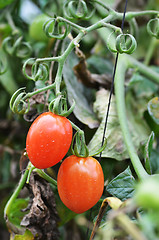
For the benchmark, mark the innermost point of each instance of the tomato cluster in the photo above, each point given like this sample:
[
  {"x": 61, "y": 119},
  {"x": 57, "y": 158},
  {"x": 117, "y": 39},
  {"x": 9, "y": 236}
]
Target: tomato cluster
[{"x": 80, "y": 180}]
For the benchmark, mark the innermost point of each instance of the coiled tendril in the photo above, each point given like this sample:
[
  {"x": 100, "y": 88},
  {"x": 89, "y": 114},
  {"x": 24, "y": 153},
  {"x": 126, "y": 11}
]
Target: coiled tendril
[
  {"x": 78, "y": 9},
  {"x": 39, "y": 71},
  {"x": 14, "y": 45},
  {"x": 59, "y": 106},
  {"x": 126, "y": 43},
  {"x": 55, "y": 28},
  {"x": 153, "y": 27},
  {"x": 17, "y": 103}
]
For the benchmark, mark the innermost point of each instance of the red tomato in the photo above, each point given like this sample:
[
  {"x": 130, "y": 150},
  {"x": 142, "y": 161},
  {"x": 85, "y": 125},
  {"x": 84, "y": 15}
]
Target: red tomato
[
  {"x": 80, "y": 183},
  {"x": 48, "y": 140}
]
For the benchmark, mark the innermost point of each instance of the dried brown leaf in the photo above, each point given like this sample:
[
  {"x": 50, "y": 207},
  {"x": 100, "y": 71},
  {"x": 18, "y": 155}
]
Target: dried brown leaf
[{"x": 42, "y": 218}]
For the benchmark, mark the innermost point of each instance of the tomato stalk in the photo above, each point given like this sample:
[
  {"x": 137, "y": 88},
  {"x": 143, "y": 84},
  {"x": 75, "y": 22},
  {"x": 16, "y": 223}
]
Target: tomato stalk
[
  {"x": 122, "y": 66},
  {"x": 25, "y": 179},
  {"x": 17, "y": 191},
  {"x": 46, "y": 177}
]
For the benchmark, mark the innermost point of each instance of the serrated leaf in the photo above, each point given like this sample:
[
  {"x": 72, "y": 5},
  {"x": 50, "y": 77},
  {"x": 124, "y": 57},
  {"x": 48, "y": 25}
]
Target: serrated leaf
[
  {"x": 153, "y": 109},
  {"x": 147, "y": 153},
  {"x": 122, "y": 186},
  {"x": 79, "y": 93}
]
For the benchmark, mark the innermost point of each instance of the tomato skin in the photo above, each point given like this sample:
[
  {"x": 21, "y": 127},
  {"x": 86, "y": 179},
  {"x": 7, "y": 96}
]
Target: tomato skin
[
  {"x": 80, "y": 183},
  {"x": 36, "y": 28},
  {"x": 48, "y": 140}
]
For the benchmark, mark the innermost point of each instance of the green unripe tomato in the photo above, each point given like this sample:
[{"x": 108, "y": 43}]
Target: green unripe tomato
[
  {"x": 147, "y": 193},
  {"x": 36, "y": 28}
]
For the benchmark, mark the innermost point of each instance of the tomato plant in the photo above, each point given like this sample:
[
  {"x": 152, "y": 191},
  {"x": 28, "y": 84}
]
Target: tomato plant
[
  {"x": 48, "y": 140},
  {"x": 78, "y": 58},
  {"x": 80, "y": 183}
]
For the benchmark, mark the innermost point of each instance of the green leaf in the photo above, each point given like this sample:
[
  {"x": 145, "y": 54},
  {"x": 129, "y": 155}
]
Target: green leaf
[
  {"x": 99, "y": 65},
  {"x": 147, "y": 152},
  {"x": 65, "y": 214},
  {"x": 79, "y": 93},
  {"x": 154, "y": 161},
  {"x": 122, "y": 186},
  {"x": 7, "y": 79},
  {"x": 142, "y": 86},
  {"x": 4, "y": 3},
  {"x": 26, "y": 236},
  {"x": 153, "y": 109},
  {"x": 15, "y": 214}
]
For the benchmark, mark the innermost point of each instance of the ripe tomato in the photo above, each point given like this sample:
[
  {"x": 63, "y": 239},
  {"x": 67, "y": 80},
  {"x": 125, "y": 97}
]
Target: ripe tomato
[
  {"x": 80, "y": 183},
  {"x": 48, "y": 140}
]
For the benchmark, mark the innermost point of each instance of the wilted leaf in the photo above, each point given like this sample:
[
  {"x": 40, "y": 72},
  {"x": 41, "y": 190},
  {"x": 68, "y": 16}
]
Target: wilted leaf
[
  {"x": 153, "y": 109},
  {"x": 79, "y": 93},
  {"x": 115, "y": 146},
  {"x": 42, "y": 218},
  {"x": 122, "y": 186}
]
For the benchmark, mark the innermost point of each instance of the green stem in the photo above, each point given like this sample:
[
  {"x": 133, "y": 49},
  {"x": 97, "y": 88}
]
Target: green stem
[
  {"x": 11, "y": 23},
  {"x": 121, "y": 109},
  {"x": 104, "y": 5},
  {"x": 151, "y": 50},
  {"x": 59, "y": 77},
  {"x": 29, "y": 95},
  {"x": 29, "y": 173},
  {"x": 75, "y": 127},
  {"x": 130, "y": 15},
  {"x": 75, "y": 26},
  {"x": 143, "y": 69},
  {"x": 16, "y": 192},
  {"x": 46, "y": 177},
  {"x": 49, "y": 59}
]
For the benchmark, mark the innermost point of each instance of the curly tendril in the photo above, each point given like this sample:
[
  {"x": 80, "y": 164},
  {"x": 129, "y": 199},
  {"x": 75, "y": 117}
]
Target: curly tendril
[
  {"x": 15, "y": 46},
  {"x": 153, "y": 27},
  {"x": 109, "y": 42},
  {"x": 55, "y": 28},
  {"x": 59, "y": 106},
  {"x": 78, "y": 9},
  {"x": 17, "y": 104},
  {"x": 134, "y": 29},
  {"x": 39, "y": 71},
  {"x": 126, "y": 43}
]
